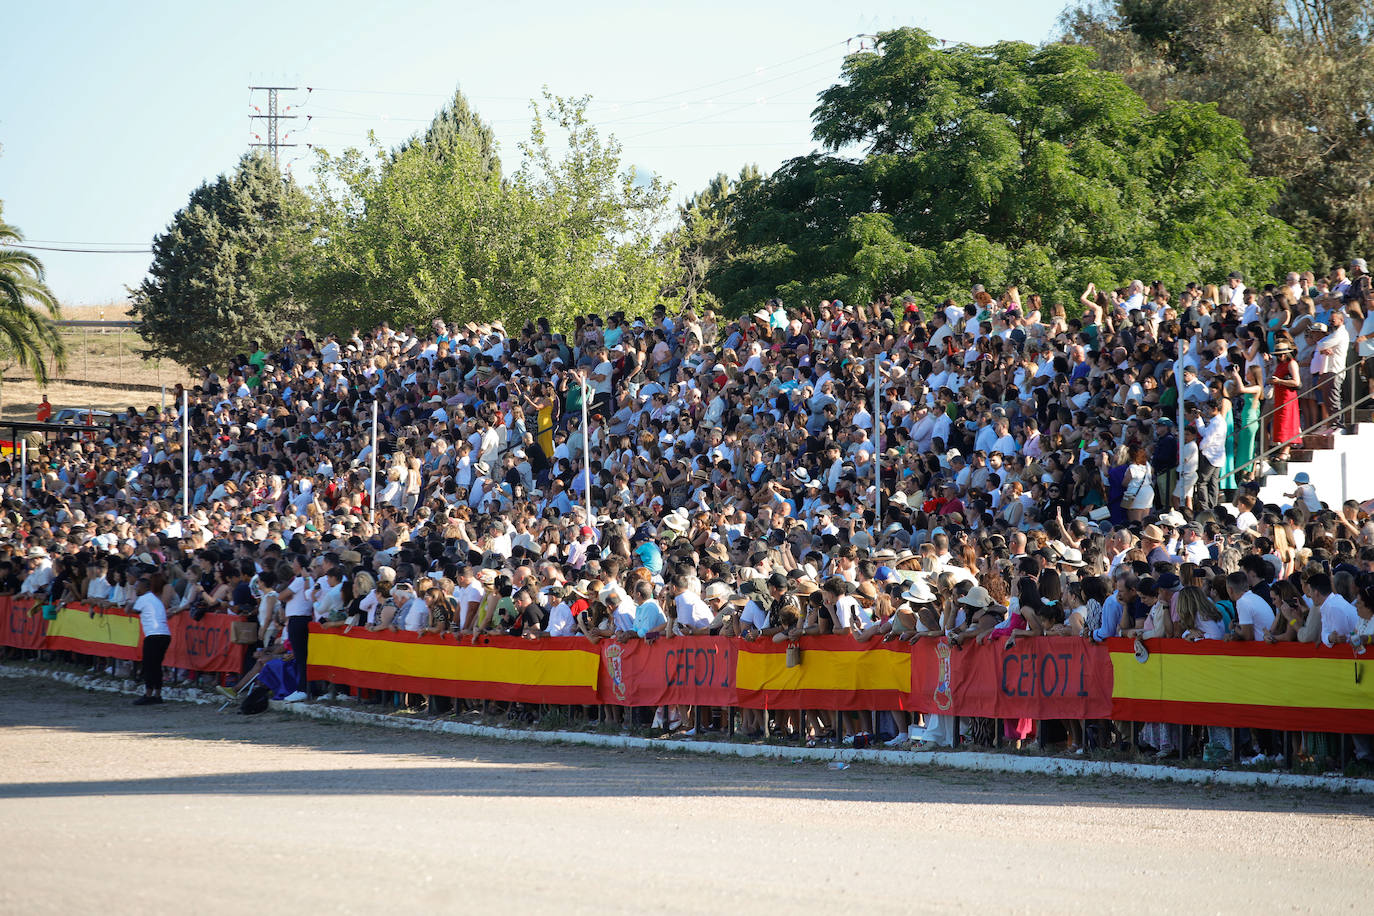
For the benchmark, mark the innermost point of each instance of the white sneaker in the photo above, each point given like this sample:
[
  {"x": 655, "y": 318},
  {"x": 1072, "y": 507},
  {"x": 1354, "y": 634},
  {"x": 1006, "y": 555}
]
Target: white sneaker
[
  {"x": 897, "y": 741},
  {"x": 296, "y": 697}
]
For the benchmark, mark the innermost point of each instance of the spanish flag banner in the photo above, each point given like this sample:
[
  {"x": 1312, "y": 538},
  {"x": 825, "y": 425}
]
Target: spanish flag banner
[
  {"x": 83, "y": 629},
  {"x": 507, "y": 668},
  {"x": 1287, "y": 686},
  {"x": 835, "y": 673},
  {"x": 204, "y": 645}
]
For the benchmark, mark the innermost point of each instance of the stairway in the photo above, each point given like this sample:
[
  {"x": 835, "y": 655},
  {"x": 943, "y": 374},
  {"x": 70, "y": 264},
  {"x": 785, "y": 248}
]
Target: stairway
[{"x": 1341, "y": 467}]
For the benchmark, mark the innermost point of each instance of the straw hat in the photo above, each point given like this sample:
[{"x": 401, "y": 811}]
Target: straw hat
[
  {"x": 918, "y": 592},
  {"x": 977, "y": 597},
  {"x": 1071, "y": 556},
  {"x": 717, "y": 591},
  {"x": 677, "y": 520}
]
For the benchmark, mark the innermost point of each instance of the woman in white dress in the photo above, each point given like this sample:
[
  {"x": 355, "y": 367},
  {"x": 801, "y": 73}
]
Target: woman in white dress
[{"x": 1138, "y": 491}]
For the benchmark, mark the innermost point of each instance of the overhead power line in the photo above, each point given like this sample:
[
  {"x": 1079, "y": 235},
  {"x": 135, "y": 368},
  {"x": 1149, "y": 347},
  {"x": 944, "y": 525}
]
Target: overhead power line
[
  {"x": 83, "y": 244},
  {"x": 25, "y": 245}
]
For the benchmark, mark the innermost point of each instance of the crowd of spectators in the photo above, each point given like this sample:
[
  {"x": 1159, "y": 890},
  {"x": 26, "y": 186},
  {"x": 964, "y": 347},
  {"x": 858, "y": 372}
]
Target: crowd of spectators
[{"x": 1031, "y": 472}]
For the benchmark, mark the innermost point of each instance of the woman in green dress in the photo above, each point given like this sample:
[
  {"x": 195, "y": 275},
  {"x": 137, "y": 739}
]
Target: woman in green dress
[
  {"x": 1228, "y": 463},
  {"x": 1249, "y": 389}
]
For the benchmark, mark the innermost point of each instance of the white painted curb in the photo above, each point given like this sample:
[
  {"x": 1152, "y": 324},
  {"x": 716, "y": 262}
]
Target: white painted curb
[{"x": 973, "y": 761}]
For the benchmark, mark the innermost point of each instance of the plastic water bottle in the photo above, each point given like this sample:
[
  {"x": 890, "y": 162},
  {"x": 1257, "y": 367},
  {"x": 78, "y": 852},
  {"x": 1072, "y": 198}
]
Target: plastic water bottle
[{"x": 837, "y": 765}]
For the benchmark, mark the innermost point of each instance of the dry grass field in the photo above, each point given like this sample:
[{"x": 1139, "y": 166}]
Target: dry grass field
[{"x": 106, "y": 360}]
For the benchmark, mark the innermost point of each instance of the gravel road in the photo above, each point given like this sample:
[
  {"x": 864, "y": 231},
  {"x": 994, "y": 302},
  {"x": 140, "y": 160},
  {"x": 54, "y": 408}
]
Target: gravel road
[{"x": 109, "y": 808}]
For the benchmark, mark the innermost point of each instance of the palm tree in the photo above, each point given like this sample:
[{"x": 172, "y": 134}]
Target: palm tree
[{"x": 29, "y": 336}]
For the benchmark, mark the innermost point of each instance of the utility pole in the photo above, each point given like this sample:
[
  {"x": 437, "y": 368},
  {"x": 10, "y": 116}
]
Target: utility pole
[{"x": 273, "y": 143}]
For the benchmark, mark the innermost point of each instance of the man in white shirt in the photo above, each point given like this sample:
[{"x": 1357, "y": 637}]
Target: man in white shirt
[
  {"x": 329, "y": 353},
  {"x": 40, "y": 573},
  {"x": 1339, "y": 617},
  {"x": 329, "y": 602},
  {"x": 1135, "y": 297},
  {"x": 1235, "y": 290},
  {"x": 1211, "y": 428},
  {"x": 1194, "y": 391},
  {"x": 299, "y": 609},
  {"x": 1192, "y": 547},
  {"x": 560, "y": 620},
  {"x": 1005, "y": 443},
  {"x": 694, "y": 616},
  {"x": 941, "y": 333},
  {"x": 1328, "y": 365},
  {"x": 1254, "y": 616}
]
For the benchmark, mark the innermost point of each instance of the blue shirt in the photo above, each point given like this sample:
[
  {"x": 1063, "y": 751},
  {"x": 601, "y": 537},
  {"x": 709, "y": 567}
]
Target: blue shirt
[
  {"x": 1111, "y": 617},
  {"x": 650, "y": 556},
  {"x": 648, "y": 616}
]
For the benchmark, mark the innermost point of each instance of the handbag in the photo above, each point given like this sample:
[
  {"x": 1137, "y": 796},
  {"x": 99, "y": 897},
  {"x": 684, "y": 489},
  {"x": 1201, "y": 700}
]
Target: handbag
[
  {"x": 50, "y": 611},
  {"x": 243, "y": 632},
  {"x": 794, "y": 655},
  {"x": 1140, "y": 482}
]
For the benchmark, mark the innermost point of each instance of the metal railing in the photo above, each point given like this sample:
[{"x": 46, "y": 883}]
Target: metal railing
[{"x": 1349, "y": 405}]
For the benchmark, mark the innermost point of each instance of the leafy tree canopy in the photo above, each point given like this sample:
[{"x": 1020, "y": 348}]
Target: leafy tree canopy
[
  {"x": 998, "y": 165},
  {"x": 1297, "y": 74},
  {"x": 412, "y": 236}
]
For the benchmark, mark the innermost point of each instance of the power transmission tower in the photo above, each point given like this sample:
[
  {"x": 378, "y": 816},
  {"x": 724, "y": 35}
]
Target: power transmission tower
[{"x": 272, "y": 144}]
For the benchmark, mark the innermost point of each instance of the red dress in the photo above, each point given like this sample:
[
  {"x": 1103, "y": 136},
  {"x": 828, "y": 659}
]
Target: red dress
[{"x": 1286, "y": 426}]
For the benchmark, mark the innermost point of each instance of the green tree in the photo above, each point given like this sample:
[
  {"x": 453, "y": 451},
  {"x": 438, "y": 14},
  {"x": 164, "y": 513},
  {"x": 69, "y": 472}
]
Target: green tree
[
  {"x": 1297, "y": 74},
  {"x": 206, "y": 293},
  {"x": 701, "y": 238},
  {"x": 410, "y": 237},
  {"x": 28, "y": 309},
  {"x": 457, "y": 126},
  {"x": 999, "y": 165}
]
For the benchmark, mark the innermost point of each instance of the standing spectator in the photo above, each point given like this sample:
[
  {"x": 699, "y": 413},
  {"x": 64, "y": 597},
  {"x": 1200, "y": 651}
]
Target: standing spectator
[
  {"x": 1211, "y": 427},
  {"x": 157, "y": 636},
  {"x": 296, "y": 598},
  {"x": 1187, "y": 471},
  {"x": 1286, "y": 380}
]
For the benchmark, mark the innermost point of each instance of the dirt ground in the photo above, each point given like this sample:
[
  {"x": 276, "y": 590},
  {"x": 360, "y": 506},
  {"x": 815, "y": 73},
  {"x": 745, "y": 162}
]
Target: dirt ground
[{"x": 121, "y": 809}]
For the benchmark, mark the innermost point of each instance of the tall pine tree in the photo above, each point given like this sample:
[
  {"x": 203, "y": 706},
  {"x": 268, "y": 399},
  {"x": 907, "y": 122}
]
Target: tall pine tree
[
  {"x": 205, "y": 294},
  {"x": 457, "y": 125}
]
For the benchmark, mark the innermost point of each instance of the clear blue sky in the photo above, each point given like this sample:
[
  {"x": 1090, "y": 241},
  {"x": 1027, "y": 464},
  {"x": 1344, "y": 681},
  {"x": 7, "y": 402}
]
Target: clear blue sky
[{"x": 114, "y": 112}]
